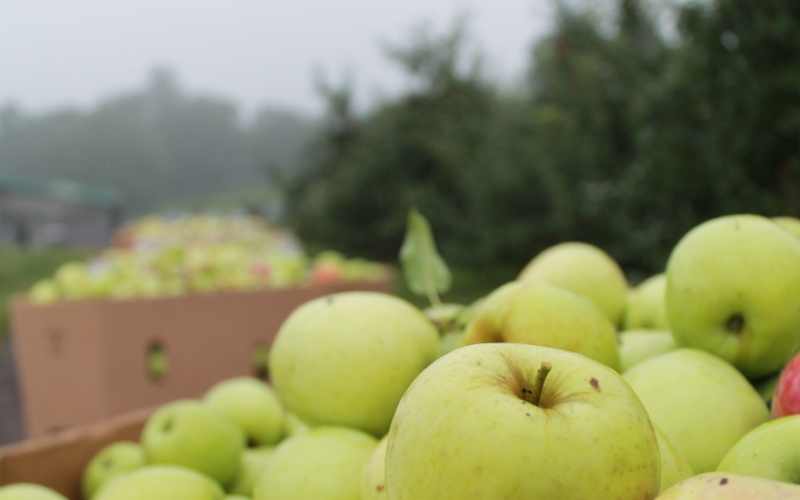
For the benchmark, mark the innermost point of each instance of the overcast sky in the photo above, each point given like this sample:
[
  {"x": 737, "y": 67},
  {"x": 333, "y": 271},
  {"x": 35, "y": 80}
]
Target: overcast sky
[{"x": 77, "y": 52}]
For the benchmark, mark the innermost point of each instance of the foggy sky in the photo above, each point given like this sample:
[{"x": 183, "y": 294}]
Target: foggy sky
[{"x": 77, "y": 52}]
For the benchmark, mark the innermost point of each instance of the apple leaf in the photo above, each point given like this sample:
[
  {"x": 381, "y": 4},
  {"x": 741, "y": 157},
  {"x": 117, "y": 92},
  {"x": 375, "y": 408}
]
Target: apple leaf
[{"x": 425, "y": 271}]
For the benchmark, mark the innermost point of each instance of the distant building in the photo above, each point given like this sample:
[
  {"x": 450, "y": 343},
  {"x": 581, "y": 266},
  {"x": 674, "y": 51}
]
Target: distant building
[{"x": 40, "y": 214}]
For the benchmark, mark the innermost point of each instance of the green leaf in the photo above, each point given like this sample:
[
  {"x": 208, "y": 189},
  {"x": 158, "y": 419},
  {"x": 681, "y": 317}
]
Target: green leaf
[{"x": 425, "y": 271}]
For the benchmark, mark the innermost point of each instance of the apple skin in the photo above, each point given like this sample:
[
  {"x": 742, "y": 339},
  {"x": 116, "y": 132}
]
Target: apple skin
[
  {"x": 28, "y": 491},
  {"x": 733, "y": 289},
  {"x": 771, "y": 451},
  {"x": 346, "y": 359},
  {"x": 586, "y": 270},
  {"x": 729, "y": 486},
  {"x": 325, "y": 462},
  {"x": 253, "y": 463},
  {"x": 674, "y": 466},
  {"x": 191, "y": 434},
  {"x": 464, "y": 430},
  {"x": 787, "y": 223},
  {"x": 253, "y": 405},
  {"x": 786, "y": 397},
  {"x": 111, "y": 461},
  {"x": 373, "y": 478},
  {"x": 686, "y": 391},
  {"x": 646, "y": 305},
  {"x": 538, "y": 313},
  {"x": 636, "y": 346},
  {"x": 161, "y": 482}
]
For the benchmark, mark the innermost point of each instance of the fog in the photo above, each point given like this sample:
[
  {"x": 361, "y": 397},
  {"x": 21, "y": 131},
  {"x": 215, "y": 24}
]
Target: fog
[{"x": 57, "y": 54}]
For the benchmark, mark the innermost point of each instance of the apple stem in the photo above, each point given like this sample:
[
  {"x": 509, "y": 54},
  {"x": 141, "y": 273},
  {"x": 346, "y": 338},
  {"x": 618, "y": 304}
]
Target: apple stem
[{"x": 533, "y": 396}]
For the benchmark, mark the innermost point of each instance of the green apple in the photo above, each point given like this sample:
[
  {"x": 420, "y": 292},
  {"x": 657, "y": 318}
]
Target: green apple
[
  {"x": 728, "y": 486},
  {"x": 347, "y": 358},
  {"x": 237, "y": 497},
  {"x": 445, "y": 316},
  {"x": 488, "y": 421},
  {"x": 253, "y": 405},
  {"x": 636, "y": 346},
  {"x": 294, "y": 425},
  {"x": 192, "y": 434},
  {"x": 585, "y": 269},
  {"x": 791, "y": 224},
  {"x": 161, "y": 482},
  {"x": 44, "y": 292},
  {"x": 538, "y": 313},
  {"x": 111, "y": 461},
  {"x": 28, "y": 491},
  {"x": 646, "y": 307},
  {"x": 373, "y": 478},
  {"x": 771, "y": 451},
  {"x": 253, "y": 463},
  {"x": 325, "y": 462},
  {"x": 733, "y": 289},
  {"x": 701, "y": 403},
  {"x": 674, "y": 466},
  {"x": 451, "y": 341}
]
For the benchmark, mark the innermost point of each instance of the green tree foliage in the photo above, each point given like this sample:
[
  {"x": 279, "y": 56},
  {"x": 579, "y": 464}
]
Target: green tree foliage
[{"x": 624, "y": 138}]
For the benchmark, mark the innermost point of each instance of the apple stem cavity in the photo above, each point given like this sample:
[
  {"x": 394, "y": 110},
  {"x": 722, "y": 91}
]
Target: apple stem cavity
[
  {"x": 735, "y": 323},
  {"x": 533, "y": 396}
]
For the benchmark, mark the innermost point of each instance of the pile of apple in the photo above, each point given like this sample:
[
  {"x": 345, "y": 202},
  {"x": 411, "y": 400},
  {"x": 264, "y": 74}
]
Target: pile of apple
[
  {"x": 565, "y": 383},
  {"x": 198, "y": 254}
]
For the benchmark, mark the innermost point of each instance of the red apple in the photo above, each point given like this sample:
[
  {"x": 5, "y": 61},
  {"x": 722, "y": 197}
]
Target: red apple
[{"x": 786, "y": 400}]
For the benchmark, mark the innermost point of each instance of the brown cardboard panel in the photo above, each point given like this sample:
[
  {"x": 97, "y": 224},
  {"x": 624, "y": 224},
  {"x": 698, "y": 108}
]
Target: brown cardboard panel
[
  {"x": 61, "y": 352},
  {"x": 81, "y": 362},
  {"x": 58, "y": 461}
]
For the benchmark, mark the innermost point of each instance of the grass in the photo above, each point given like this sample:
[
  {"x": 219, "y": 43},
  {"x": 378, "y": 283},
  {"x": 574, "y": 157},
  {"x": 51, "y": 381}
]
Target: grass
[{"x": 21, "y": 268}]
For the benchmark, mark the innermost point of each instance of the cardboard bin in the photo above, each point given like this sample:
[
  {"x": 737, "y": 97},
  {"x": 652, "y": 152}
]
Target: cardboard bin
[
  {"x": 58, "y": 461},
  {"x": 81, "y": 362}
]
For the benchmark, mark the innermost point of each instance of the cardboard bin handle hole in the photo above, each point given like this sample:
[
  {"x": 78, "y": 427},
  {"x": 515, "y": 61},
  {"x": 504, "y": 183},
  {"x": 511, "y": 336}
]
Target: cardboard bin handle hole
[
  {"x": 157, "y": 361},
  {"x": 260, "y": 358}
]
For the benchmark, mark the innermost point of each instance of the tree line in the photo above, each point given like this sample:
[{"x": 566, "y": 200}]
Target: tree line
[{"x": 623, "y": 136}]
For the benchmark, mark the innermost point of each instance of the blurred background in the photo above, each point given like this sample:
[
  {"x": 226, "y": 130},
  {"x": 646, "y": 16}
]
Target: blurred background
[{"x": 512, "y": 125}]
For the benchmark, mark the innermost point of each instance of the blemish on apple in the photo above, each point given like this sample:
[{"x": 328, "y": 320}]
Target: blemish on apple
[
  {"x": 595, "y": 384},
  {"x": 723, "y": 481}
]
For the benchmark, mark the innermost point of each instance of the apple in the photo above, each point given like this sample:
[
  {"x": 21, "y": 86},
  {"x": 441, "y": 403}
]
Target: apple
[
  {"x": 237, "y": 497},
  {"x": 111, "y": 461},
  {"x": 733, "y": 289},
  {"x": 769, "y": 451},
  {"x": 373, "y": 478},
  {"x": 191, "y": 434},
  {"x": 790, "y": 224},
  {"x": 294, "y": 425},
  {"x": 347, "y": 358},
  {"x": 727, "y": 486},
  {"x": 646, "y": 306},
  {"x": 520, "y": 421},
  {"x": 252, "y": 465},
  {"x": 325, "y": 462},
  {"x": 636, "y": 346},
  {"x": 253, "y": 405},
  {"x": 786, "y": 396},
  {"x": 584, "y": 269},
  {"x": 538, "y": 313},
  {"x": 28, "y": 491},
  {"x": 674, "y": 466},
  {"x": 161, "y": 482},
  {"x": 686, "y": 392},
  {"x": 44, "y": 292}
]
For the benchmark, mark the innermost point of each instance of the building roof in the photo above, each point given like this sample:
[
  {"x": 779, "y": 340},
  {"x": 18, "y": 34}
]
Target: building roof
[{"x": 68, "y": 192}]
